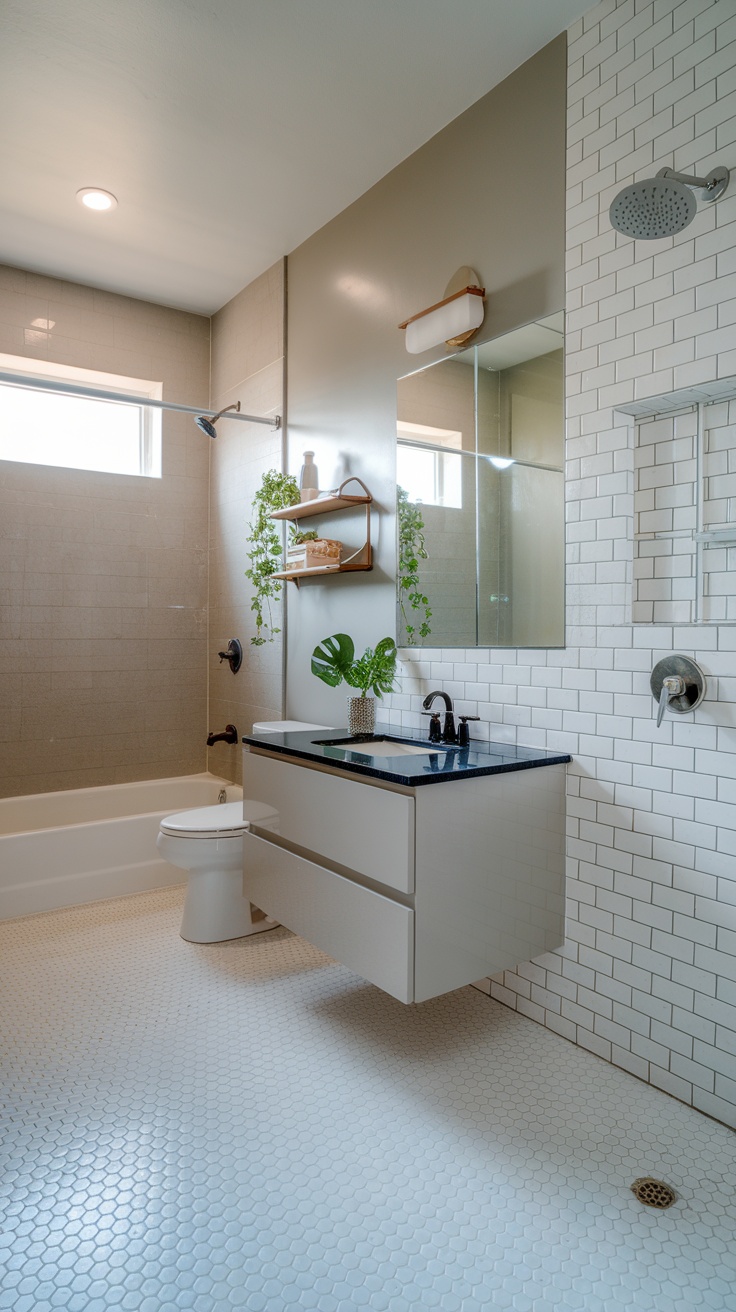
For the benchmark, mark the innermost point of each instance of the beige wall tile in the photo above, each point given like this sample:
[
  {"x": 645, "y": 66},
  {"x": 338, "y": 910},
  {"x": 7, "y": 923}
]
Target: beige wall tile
[
  {"x": 22, "y": 308},
  {"x": 11, "y": 339},
  {"x": 13, "y": 280},
  {"x": 77, "y": 321},
  {"x": 104, "y": 641},
  {"x": 73, "y": 293},
  {"x": 104, "y": 577},
  {"x": 248, "y": 332}
]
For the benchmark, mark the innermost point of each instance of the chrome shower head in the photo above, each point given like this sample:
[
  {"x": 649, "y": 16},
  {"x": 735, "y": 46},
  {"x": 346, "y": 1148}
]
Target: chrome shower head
[
  {"x": 660, "y": 207},
  {"x": 207, "y": 426},
  {"x": 653, "y": 208}
]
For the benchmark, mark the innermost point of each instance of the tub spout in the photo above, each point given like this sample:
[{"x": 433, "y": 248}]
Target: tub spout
[{"x": 229, "y": 736}]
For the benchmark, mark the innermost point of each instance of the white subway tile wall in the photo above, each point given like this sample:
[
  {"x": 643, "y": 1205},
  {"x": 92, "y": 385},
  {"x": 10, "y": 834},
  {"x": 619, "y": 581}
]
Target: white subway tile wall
[{"x": 647, "y": 977}]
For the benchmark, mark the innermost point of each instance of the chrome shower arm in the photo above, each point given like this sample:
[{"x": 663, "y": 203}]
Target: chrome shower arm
[
  {"x": 688, "y": 178},
  {"x": 716, "y": 181}
]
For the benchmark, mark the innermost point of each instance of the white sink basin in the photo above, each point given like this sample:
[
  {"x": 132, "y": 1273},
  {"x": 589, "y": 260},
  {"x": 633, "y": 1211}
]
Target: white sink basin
[{"x": 386, "y": 747}]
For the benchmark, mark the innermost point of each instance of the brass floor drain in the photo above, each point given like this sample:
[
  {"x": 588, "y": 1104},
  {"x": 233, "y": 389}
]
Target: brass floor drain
[{"x": 653, "y": 1193}]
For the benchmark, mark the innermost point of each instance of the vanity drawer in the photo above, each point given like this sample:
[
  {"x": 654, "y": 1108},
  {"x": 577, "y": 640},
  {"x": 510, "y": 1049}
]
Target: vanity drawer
[
  {"x": 367, "y": 932},
  {"x": 369, "y": 830}
]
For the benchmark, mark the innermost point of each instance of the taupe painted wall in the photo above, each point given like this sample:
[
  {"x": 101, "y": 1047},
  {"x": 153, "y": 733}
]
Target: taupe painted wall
[
  {"x": 489, "y": 191},
  {"x": 247, "y": 366},
  {"x": 104, "y": 576}
]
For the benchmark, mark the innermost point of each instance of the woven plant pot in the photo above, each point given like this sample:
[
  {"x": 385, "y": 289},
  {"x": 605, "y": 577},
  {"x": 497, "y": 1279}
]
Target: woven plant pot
[{"x": 361, "y": 714}]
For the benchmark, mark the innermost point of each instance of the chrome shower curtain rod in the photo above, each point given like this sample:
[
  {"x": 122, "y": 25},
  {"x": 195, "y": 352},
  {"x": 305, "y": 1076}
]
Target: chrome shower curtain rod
[{"x": 97, "y": 394}]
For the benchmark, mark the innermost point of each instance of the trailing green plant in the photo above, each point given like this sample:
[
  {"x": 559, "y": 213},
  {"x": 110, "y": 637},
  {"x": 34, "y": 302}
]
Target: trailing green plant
[
  {"x": 412, "y": 549},
  {"x": 334, "y": 660},
  {"x": 265, "y": 549},
  {"x": 297, "y": 539}
]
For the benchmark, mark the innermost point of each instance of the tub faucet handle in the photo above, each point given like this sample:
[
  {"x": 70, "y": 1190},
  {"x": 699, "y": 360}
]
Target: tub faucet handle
[{"x": 229, "y": 736}]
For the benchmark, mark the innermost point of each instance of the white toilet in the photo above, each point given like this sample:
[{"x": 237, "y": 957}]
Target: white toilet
[{"x": 208, "y": 843}]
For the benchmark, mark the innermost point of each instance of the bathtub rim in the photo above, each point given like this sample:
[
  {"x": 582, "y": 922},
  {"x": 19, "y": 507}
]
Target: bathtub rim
[
  {"x": 204, "y": 776},
  {"x": 93, "y": 859}
]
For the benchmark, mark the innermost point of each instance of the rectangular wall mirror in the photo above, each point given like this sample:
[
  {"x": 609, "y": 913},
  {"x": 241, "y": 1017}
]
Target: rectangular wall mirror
[{"x": 480, "y": 495}]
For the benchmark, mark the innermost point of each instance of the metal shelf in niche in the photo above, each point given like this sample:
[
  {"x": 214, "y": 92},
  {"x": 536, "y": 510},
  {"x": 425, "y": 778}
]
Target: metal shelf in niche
[{"x": 713, "y": 537}]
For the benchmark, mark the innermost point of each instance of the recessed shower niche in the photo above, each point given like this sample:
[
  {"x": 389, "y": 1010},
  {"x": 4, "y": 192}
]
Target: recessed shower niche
[{"x": 685, "y": 516}]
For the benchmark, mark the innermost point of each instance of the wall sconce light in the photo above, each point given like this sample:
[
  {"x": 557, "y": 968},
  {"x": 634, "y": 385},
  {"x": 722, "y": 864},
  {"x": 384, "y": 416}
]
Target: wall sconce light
[{"x": 453, "y": 320}]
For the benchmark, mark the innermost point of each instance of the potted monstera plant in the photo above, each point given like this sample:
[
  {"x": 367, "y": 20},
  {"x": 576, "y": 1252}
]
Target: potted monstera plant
[{"x": 334, "y": 661}]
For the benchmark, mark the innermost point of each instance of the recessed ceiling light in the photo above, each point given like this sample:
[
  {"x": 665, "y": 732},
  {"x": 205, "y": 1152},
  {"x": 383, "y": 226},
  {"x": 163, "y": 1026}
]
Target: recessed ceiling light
[{"x": 93, "y": 198}]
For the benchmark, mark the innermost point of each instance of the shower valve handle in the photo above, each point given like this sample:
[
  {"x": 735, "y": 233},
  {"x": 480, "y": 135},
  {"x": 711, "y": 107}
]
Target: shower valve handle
[
  {"x": 233, "y": 655},
  {"x": 672, "y": 686},
  {"x": 677, "y": 684}
]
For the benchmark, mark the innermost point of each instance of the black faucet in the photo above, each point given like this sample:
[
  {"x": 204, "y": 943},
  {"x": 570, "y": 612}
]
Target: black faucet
[
  {"x": 229, "y": 736},
  {"x": 449, "y": 732}
]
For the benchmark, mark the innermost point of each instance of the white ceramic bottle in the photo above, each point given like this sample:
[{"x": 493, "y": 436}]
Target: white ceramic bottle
[{"x": 309, "y": 478}]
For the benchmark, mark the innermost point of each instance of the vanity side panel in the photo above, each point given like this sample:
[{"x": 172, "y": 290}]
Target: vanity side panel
[
  {"x": 490, "y": 876},
  {"x": 369, "y": 830}
]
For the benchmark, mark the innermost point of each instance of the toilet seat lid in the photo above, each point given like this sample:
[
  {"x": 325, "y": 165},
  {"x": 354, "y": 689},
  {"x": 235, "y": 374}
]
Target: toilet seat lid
[{"x": 226, "y": 818}]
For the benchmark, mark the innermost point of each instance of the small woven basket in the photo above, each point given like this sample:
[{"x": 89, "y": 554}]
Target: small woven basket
[{"x": 306, "y": 555}]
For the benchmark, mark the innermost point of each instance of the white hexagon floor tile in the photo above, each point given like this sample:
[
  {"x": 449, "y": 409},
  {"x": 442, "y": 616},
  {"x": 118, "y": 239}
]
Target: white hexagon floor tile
[{"x": 250, "y": 1126}]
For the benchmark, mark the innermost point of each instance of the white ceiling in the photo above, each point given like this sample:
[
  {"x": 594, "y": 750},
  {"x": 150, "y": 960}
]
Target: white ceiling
[{"x": 229, "y": 130}]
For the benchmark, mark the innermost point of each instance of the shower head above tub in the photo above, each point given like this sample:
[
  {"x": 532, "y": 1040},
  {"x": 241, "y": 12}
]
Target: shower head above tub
[
  {"x": 207, "y": 426},
  {"x": 662, "y": 206}
]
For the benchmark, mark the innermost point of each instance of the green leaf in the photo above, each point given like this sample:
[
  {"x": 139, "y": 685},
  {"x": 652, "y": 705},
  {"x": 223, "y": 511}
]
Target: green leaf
[
  {"x": 411, "y": 549},
  {"x": 386, "y": 648},
  {"x": 265, "y": 551},
  {"x": 333, "y": 658}
]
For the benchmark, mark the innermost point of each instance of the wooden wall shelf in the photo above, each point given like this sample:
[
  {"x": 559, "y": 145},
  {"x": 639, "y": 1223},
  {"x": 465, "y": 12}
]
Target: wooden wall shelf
[
  {"x": 322, "y": 506},
  {"x": 362, "y": 559}
]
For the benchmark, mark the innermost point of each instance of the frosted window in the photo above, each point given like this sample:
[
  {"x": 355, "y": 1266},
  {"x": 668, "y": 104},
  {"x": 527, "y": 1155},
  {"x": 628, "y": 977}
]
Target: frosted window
[{"x": 76, "y": 432}]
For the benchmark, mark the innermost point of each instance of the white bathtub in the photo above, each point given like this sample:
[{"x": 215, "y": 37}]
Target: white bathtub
[{"x": 61, "y": 849}]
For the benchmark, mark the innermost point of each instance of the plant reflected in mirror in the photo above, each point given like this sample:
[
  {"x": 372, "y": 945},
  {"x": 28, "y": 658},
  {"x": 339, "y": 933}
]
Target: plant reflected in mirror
[{"x": 412, "y": 550}]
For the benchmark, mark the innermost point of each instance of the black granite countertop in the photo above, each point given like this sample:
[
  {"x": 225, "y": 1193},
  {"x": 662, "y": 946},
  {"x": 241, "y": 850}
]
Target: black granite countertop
[{"x": 440, "y": 764}]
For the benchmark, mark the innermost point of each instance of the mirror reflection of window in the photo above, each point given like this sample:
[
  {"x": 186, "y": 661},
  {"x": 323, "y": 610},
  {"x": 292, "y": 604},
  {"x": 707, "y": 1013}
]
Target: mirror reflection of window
[
  {"x": 480, "y": 441},
  {"x": 429, "y": 474}
]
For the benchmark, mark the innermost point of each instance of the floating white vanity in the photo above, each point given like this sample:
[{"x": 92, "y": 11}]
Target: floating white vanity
[{"x": 421, "y": 871}]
